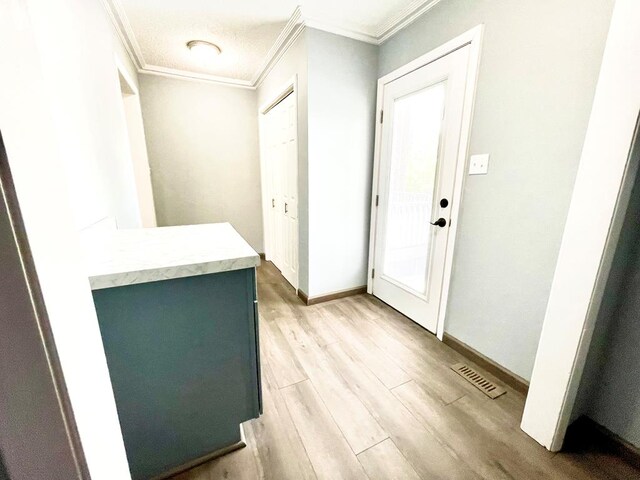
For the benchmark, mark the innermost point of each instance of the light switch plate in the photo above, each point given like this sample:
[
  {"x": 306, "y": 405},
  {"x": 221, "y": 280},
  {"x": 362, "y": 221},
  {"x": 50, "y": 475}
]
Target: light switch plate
[{"x": 479, "y": 164}]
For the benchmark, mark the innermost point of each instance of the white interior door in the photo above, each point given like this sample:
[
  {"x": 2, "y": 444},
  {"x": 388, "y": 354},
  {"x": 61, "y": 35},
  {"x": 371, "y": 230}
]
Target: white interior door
[
  {"x": 280, "y": 128},
  {"x": 420, "y": 137}
]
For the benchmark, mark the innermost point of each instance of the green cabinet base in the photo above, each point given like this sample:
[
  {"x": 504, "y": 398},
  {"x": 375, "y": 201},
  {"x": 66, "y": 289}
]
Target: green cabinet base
[{"x": 184, "y": 364}]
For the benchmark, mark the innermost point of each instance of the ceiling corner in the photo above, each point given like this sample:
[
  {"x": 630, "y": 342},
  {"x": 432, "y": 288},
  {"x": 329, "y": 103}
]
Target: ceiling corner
[
  {"x": 291, "y": 31},
  {"x": 120, "y": 22},
  {"x": 296, "y": 24},
  {"x": 367, "y": 37},
  {"x": 404, "y": 18}
]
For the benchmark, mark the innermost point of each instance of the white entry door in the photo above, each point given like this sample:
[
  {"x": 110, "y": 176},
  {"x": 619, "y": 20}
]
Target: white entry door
[
  {"x": 419, "y": 142},
  {"x": 281, "y": 162}
]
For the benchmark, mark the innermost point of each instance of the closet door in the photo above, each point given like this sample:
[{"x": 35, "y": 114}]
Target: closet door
[
  {"x": 289, "y": 190},
  {"x": 280, "y": 139}
]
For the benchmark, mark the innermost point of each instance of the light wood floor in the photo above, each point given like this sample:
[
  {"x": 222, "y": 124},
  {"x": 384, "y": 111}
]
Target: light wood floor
[{"x": 353, "y": 390}]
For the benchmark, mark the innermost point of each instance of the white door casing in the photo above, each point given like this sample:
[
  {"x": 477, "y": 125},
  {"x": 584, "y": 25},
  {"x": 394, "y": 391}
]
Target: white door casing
[
  {"x": 132, "y": 119},
  {"x": 441, "y": 87}
]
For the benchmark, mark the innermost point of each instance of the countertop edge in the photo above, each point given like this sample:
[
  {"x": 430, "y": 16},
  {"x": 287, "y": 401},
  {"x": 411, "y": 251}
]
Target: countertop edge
[{"x": 123, "y": 279}]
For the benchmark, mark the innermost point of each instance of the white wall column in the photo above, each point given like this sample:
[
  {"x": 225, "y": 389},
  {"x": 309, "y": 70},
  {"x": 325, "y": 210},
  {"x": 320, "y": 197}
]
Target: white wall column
[{"x": 600, "y": 195}]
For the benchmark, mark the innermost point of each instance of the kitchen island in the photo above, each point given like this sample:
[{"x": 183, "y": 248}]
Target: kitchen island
[{"x": 177, "y": 310}]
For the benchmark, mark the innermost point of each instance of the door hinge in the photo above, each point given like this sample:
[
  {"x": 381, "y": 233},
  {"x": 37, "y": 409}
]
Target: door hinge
[
  {"x": 381, "y": 116},
  {"x": 373, "y": 273},
  {"x": 377, "y": 200}
]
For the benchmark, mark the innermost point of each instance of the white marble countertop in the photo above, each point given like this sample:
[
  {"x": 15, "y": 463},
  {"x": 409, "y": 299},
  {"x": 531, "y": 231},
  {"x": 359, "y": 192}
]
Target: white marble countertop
[{"x": 126, "y": 257}]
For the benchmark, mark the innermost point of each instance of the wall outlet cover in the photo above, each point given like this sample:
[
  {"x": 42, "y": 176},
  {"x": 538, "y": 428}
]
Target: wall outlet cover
[{"x": 479, "y": 164}]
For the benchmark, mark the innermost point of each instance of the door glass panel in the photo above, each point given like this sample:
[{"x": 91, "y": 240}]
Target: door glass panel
[{"x": 417, "y": 122}]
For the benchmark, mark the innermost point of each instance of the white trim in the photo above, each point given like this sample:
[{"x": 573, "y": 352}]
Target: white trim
[
  {"x": 289, "y": 33},
  {"x": 202, "y": 77},
  {"x": 473, "y": 38},
  {"x": 289, "y": 87},
  {"x": 600, "y": 195},
  {"x": 123, "y": 28},
  {"x": 405, "y": 18},
  {"x": 382, "y": 32},
  {"x": 266, "y": 230},
  {"x": 473, "y": 70},
  {"x": 294, "y": 27},
  {"x": 475, "y": 34},
  {"x": 122, "y": 70},
  {"x": 280, "y": 50},
  {"x": 341, "y": 30},
  {"x": 131, "y": 111},
  {"x": 377, "y": 150}
]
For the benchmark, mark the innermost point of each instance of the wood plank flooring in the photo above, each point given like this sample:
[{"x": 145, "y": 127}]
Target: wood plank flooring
[{"x": 354, "y": 390}]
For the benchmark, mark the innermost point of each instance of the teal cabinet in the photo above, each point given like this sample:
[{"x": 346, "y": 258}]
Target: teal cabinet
[{"x": 183, "y": 358}]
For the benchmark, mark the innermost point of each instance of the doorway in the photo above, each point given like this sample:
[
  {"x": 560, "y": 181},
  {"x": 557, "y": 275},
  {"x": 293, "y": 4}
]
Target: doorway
[
  {"x": 421, "y": 144},
  {"x": 279, "y": 152},
  {"x": 137, "y": 147}
]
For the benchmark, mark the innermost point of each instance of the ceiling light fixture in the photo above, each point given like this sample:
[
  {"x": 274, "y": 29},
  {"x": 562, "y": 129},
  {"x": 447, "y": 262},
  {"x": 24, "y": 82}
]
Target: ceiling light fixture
[{"x": 204, "y": 50}]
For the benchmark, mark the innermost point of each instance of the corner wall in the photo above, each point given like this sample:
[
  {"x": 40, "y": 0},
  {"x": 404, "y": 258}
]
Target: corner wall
[
  {"x": 202, "y": 141},
  {"x": 538, "y": 71},
  {"x": 342, "y": 103}
]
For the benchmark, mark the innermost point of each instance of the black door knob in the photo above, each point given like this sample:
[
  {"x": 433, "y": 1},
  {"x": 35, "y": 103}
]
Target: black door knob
[{"x": 441, "y": 222}]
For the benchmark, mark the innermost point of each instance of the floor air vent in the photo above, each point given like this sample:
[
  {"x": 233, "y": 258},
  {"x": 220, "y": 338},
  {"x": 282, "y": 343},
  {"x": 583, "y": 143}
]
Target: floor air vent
[{"x": 487, "y": 387}]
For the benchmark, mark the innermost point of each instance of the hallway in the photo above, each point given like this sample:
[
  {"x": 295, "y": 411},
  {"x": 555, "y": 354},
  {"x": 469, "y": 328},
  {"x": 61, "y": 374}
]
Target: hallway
[{"x": 352, "y": 389}]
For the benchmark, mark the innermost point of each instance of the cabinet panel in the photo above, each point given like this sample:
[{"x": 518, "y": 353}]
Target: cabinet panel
[{"x": 183, "y": 361}]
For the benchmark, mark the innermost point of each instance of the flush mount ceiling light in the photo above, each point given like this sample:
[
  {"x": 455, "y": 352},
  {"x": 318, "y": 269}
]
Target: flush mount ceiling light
[{"x": 203, "y": 50}]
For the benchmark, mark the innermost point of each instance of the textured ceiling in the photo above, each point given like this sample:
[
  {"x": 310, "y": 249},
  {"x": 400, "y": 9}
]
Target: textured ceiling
[{"x": 244, "y": 29}]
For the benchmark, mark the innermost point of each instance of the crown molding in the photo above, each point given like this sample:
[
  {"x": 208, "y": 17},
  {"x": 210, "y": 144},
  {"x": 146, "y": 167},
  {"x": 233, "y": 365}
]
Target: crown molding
[
  {"x": 295, "y": 26},
  {"x": 120, "y": 22},
  {"x": 341, "y": 30},
  {"x": 289, "y": 34},
  {"x": 186, "y": 75},
  {"x": 404, "y": 18},
  {"x": 383, "y": 32}
]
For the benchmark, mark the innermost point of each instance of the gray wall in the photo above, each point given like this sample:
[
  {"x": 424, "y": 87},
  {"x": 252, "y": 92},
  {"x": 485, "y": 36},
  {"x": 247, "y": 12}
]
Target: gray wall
[
  {"x": 539, "y": 67},
  {"x": 202, "y": 141},
  {"x": 336, "y": 109},
  {"x": 609, "y": 390},
  {"x": 294, "y": 63},
  {"x": 342, "y": 102}
]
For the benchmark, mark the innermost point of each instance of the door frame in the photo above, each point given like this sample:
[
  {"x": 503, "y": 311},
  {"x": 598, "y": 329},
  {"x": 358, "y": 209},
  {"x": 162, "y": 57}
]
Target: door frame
[
  {"x": 290, "y": 87},
  {"x": 473, "y": 38},
  {"x": 135, "y": 135},
  {"x": 600, "y": 196}
]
